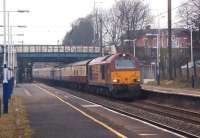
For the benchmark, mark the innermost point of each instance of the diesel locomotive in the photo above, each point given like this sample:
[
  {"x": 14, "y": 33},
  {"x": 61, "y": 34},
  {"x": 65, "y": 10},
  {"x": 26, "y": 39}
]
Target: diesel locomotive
[{"x": 117, "y": 75}]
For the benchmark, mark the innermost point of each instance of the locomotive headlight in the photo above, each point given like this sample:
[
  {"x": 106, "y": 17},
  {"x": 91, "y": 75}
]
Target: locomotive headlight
[
  {"x": 136, "y": 80},
  {"x": 115, "y": 80}
]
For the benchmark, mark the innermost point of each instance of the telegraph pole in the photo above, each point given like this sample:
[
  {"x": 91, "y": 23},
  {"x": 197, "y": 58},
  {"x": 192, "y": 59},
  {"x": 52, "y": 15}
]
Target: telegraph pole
[
  {"x": 101, "y": 36},
  {"x": 96, "y": 27},
  {"x": 170, "y": 39},
  {"x": 94, "y": 23},
  {"x": 97, "y": 30}
]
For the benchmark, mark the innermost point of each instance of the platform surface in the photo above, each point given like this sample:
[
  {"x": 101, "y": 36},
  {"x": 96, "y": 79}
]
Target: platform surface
[
  {"x": 49, "y": 118},
  {"x": 174, "y": 91}
]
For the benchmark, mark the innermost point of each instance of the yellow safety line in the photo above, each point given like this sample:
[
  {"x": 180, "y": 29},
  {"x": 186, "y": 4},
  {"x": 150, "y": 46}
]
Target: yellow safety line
[{"x": 84, "y": 113}]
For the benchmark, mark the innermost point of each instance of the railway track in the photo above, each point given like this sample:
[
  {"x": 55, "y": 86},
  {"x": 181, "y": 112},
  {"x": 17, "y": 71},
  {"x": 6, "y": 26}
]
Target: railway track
[
  {"x": 147, "y": 107},
  {"x": 168, "y": 111},
  {"x": 167, "y": 127}
]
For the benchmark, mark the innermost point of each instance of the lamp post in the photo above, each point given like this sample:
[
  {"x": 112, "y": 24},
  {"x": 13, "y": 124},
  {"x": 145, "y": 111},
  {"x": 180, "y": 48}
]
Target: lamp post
[
  {"x": 11, "y": 57},
  {"x": 157, "y": 57},
  {"x": 134, "y": 44},
  {"x": 191, "y": 37},
  {"x": 5, "y": 81},
  {"x": 192, "y": 59},
  {"x": 5, "y": 59}
]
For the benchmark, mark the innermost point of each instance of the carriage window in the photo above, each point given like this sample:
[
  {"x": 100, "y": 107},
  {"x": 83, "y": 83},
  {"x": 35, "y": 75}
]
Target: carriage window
[{"x": 124, "y": 64}]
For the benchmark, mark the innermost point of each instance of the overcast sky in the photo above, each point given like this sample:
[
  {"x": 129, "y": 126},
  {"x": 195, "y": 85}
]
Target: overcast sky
[{"x": 49, "y": 20}]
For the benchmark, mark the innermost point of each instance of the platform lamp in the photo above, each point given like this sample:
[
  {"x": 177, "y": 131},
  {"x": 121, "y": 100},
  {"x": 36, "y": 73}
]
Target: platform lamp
[
  {"x": 5, "y": 81},
  {"x": 5, "y": 59},
  {"x": 11, "y": 57}
]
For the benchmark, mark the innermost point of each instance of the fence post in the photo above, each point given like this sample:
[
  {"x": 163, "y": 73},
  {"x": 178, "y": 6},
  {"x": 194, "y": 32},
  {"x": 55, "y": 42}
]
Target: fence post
[
  {"x": 195, "y": 73},
  {"x": 187, "y": 70},
  {"x": 175, "y": 69}
]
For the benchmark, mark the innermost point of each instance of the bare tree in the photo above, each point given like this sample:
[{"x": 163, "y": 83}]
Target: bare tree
[
  {"x": 125, "y": 16},
  {"x": 112, "y": 28},
  {"x": 190, "y": 14}
]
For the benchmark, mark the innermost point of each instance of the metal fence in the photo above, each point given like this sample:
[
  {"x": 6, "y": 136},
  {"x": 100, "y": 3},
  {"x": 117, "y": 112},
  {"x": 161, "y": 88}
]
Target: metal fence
[{"x": 148, "y": 73}]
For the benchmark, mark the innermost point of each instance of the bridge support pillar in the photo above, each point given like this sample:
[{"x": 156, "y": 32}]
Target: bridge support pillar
[{"x": 24, "y": 72}]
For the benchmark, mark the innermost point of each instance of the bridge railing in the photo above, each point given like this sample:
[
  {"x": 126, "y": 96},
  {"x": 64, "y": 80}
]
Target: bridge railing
[{"x": 55, "y": 49}]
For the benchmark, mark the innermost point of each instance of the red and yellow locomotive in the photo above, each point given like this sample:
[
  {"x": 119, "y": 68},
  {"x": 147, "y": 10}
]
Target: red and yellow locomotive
[
  {"x": 120, "y": 74},
  {"x": 117, "y": 75}
]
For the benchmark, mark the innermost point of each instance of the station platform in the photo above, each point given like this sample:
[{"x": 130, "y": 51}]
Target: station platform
[
  {"x": 55, "y": 113},
  {"x": 173, "y": 91},
  {"x": 50, "y": 118}
]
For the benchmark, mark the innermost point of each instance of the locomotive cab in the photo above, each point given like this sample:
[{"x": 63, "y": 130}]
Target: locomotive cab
[
  {"x": 125, "y": 71},
  {"x": 119, "y": 73}
]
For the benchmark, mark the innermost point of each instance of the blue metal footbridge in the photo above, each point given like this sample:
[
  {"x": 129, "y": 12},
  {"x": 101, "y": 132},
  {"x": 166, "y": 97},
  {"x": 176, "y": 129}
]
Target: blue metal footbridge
[{"x": 28, "y": 54}]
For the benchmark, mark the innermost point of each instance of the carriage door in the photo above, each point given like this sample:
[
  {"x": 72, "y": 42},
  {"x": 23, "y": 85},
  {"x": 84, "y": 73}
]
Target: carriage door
[
  {"x": 90, "y": 72},
  {"x": 103, "y": 72}
]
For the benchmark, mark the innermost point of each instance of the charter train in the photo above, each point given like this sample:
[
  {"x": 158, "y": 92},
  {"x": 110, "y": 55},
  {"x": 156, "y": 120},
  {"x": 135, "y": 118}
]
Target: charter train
[{"x": 117, "y": 75}]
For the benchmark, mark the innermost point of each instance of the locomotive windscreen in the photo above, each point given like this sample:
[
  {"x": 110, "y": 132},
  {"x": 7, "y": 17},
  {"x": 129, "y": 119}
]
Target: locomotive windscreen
[{"x": 124, "y": 64}]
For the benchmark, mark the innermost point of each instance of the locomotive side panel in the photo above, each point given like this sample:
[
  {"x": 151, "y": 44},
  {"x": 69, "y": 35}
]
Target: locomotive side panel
[{"x": 98, "y": 75}]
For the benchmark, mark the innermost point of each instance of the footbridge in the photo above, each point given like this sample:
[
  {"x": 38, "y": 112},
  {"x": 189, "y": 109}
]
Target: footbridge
[{"x": 27, "y": 55}]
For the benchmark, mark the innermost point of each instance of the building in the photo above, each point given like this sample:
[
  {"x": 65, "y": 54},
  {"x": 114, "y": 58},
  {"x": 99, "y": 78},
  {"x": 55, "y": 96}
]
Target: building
[{"x": 148, "y": 38}]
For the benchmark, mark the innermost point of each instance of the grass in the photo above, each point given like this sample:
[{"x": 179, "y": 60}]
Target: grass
[
  {"x": 174, "y": 84},
  {"x": 15, "y": 124}
]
